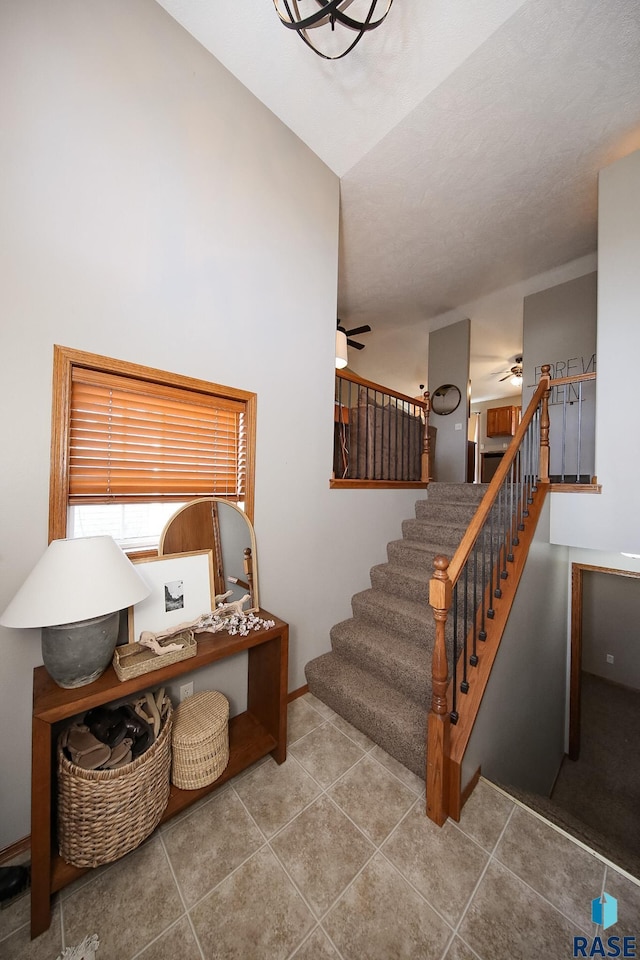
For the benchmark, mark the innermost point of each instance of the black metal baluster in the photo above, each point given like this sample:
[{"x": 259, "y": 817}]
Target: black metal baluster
[
  {"x": 504, "y": 534},
  {"x": 474, "y": 656},
  {"x": 490, "y": 611},
  {"x": 454, "y": 669},
  {"x": 578, "y": 465},
  {"x": 510, "y": 525},
  {"x": 464, "y": 686},
  {"x": 564, "y": 436},
  {"x": 483, "y": 632}
]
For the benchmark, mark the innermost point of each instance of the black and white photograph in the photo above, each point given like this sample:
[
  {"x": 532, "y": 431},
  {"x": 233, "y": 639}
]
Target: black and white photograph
[
  {"x": 174, "y": 595},
  {"x": 181, "y": 587}
]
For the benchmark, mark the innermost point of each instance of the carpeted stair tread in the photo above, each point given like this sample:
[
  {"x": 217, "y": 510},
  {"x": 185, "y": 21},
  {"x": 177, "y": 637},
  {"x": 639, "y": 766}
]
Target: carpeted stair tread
[
  {"x": 431, "y": 531},
  {"x": 393, "y": 721},
  {"x": 457, "y": 491},
  {"x": 389, "y": 656},
  {"x": 445, "y": 511},
  {"x": 413, "y": 553},
  {"x": 397, "y": 614},
  {"x": 402, "y": 581}
]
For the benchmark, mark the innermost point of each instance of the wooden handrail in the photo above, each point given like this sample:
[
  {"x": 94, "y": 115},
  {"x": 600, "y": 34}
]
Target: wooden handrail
[
  {"x": 354, "y": 378},
  {"x": 463, "y": 551},
  {"x": 578, "y": 378}
]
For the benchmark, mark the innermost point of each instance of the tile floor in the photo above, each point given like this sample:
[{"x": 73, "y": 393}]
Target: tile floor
[{"x": 330, "y": 856}]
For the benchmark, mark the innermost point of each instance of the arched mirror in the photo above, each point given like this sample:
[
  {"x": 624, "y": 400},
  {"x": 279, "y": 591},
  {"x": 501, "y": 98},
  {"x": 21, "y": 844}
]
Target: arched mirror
[
  {"x": 445, "y": 399},
  {"x": 214, "y": 524}
]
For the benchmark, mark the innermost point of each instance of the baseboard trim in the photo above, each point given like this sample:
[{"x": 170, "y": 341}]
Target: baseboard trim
[
  {"x": 15, "y": 849},
  {"x": 300, "y": 692}
]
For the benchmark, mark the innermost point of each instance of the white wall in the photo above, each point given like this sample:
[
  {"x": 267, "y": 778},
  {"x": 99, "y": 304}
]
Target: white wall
[
  {"x": 155, "y": 211},
  {"x": 449, "y": 365},
  {"x": 518, "y": 737},
  {"x": 610, "y": 521}
]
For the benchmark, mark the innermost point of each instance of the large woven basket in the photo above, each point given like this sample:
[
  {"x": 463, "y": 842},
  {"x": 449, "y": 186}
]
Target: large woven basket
[
  {"x": 200, "y": 740},
  {"x": 103, "y": 814}
]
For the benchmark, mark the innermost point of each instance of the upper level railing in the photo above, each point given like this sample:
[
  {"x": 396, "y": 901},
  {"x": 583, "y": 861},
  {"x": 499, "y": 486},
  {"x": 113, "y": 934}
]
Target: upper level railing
[
  {"x": 471, "y": 594},
  {"x": 382, "y": 438}
]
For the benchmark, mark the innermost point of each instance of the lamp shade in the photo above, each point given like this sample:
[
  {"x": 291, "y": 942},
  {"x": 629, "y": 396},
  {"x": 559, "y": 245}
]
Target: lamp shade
[
  {"x": 76, "y": 580},
  {"x": 341, "y": 349}
]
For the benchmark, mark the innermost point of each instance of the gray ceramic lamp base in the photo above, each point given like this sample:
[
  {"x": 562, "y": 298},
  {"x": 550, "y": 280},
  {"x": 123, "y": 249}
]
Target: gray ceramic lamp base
[{"x": 78, "y": 653}]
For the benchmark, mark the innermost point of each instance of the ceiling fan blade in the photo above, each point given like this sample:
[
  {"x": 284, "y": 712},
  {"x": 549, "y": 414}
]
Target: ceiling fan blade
[
  {"x": 356, "y": 330},
  {"x": 353, "y": 343},
  {"x": 505, "y": 378}
]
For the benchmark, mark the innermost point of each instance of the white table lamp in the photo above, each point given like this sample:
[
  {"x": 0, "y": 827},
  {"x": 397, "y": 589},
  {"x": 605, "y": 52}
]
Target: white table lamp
[{"x": 75, "y": 593}]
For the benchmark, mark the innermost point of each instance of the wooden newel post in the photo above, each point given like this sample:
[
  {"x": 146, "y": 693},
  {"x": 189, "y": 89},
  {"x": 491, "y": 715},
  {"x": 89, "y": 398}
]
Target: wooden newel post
[
  {"x": 544, "y": 426},
  {"x": 425, "y": 464},
  {"x": 439, "y": 721}
]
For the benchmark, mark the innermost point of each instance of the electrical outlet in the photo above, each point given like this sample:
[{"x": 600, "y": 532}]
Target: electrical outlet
[
  {"x": 186, "y": 690},
  {"x": 458, "y": 426},
  {"x": 609, "y": 658}
]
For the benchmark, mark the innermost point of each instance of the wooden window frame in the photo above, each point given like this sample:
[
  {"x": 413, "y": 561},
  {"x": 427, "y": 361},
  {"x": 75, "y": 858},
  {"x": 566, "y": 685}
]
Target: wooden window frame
[{"x": 64, "y": 361}]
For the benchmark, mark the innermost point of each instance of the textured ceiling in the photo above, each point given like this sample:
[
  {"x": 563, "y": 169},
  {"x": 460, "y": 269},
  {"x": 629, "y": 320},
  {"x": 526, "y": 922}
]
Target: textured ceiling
[{"x": 467, "y": 136}]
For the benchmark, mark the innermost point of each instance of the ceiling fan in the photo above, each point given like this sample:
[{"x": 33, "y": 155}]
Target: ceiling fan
[
  {"x": 515, "y": 373},
  {"x": 354, "y": 333}
]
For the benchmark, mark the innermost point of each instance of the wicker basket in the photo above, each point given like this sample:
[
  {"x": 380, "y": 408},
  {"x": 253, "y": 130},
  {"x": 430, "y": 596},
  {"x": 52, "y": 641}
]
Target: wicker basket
[
  {"x": 103, "y": 814},
  {"x": 132, "y": 660},
  {"x": 200, "y": 740}
]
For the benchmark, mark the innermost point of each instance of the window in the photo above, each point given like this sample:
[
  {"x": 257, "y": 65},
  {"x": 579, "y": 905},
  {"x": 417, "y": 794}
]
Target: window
[{"x": 131, "y": 444}]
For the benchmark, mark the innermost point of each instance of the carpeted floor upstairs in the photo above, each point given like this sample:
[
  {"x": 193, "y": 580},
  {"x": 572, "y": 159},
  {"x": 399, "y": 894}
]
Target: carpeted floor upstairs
[{"x": 378, "y": 672}]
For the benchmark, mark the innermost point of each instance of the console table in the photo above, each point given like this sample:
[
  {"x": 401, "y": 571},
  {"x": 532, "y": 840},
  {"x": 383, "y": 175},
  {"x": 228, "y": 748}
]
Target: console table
[{"x": 260, "y": 730}]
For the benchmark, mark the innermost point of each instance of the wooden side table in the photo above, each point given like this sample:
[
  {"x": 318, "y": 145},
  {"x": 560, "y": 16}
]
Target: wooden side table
[{"x": 260, "y": 730}]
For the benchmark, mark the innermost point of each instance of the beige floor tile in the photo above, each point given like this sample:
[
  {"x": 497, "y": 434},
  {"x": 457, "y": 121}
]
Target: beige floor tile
[
  {"x": 353, "y": 733},
  {"x": 441, "y": 862},
  {"x": 507, "y": 919},
  {"x": 15, "y": 916},
  {"x": 204, "y": 848},
  {"x": 381, "y": 917},
  {"x": 326, "y": 754},
  {"x": 460, "y": 951},
  {"x": 177, "y": 942},
  {"x": 485, "y": 814},
  {"x": 374, "y": 799},
  {"x": 301, "y": 719},
  {"x": 318, "y": 705},
  {"x": 322, "y": 851},
  {"x": 274, "y": 794},
  {"x": 408, "y": 777},
  {"x": 189, "y": 811},
  {"x": 126, "y": 906},
  {"x": 316, "y": 947},
  {"x": 19, "y": 945},
  {"x": 627, "y": 893},
  {"x": 555, "y": 866},
  {"x": 255, "y": 914}
]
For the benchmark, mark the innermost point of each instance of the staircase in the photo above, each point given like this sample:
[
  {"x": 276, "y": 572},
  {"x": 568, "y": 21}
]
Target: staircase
[{"x": 378, "y": 672}]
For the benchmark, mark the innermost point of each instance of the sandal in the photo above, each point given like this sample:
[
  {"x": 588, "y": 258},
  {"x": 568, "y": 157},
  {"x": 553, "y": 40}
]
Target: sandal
[
  {"x": 120, "y": 755},
  {"x": 84, "y": 749}
]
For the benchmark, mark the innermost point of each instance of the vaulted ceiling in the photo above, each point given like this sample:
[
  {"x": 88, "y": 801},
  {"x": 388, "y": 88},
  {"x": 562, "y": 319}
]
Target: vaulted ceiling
[{"x": 468, "y": 137}]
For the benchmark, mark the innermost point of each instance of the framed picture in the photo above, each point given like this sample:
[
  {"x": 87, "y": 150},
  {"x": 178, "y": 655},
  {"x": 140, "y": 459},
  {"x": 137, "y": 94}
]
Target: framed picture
[{"x": 181, "y": 591}]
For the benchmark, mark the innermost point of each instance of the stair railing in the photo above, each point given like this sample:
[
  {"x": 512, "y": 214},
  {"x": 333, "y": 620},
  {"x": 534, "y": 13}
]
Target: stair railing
[
  {"x": 471, "y": 595},
  {"x": 468, "y": 586},
  {"x": 381, "y": 436}
]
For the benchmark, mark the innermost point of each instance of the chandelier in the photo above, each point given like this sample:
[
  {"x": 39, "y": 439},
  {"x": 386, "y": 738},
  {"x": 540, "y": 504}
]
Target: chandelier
[{"x": 331, "y": 13}]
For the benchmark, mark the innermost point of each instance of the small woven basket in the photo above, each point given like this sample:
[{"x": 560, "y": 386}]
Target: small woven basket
[
  {"x": 103, "y": 814},
  {"x": 200, "y": 740}
]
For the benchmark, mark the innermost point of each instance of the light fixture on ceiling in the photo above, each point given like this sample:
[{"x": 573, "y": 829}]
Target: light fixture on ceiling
[
  {"x": 75, "y": 593},
  {"x": 341, "y": 349},
  {"x": 514, "y": 376},
  {"x": 295, "y": 16}
]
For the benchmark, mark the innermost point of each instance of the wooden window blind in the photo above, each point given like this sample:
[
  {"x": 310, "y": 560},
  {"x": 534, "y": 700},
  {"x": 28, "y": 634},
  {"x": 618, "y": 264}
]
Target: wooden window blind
[{"x": 135, "y": 441}]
